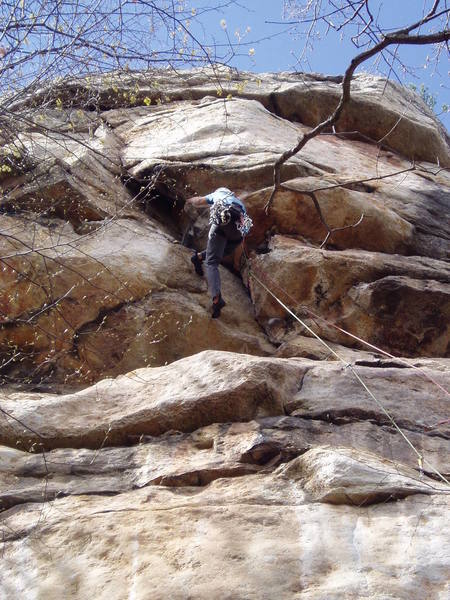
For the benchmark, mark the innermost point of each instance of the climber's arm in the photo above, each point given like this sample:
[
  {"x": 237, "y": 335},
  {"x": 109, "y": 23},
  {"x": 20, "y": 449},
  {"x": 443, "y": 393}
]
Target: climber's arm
[{"x": 197, "y": 201}]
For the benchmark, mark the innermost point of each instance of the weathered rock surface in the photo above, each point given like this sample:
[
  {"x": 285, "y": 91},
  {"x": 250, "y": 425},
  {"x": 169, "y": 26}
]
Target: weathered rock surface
[
  {"x": 273, "y": 541},
  {"x": 74, "y": 177},
  {"x": 374, "y": 111},
  {"x": 216, "y": 387},
  {"x": 239, "y": 139},
  {"x": 398, "y": 303},
  {"x": 195, "y": 459},
  {"x": 346, "y": 476},
  {"x": 410, "y": 226},
  {"x": 77, "y": 180},
  {"x": 206, "y": 388},
  {"x": 118, "y": 298},
  {"x": 149, "y": 451}
]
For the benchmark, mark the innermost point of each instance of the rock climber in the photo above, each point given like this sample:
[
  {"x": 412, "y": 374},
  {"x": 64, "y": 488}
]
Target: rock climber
[{"x": 229, "y": 224}]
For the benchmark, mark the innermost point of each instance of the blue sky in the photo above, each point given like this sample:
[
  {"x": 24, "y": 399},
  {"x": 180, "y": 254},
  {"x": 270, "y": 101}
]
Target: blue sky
[{"x": 331, "y": 55}]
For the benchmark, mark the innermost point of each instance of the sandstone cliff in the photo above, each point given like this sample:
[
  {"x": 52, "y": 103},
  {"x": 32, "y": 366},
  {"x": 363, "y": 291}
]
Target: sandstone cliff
[{"x": 150, "y": 452}]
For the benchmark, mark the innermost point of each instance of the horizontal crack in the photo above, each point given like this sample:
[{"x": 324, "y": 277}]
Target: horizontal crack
[
  {"x": 343, "y": 417},
  {"x": 381, "y": 364},
  {"x": 261, "y": 461}
]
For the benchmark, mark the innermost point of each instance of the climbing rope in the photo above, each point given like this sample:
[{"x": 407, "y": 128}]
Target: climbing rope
[
  {"x": 420, "y": 459},
  {"x": 317, "y": 317}
]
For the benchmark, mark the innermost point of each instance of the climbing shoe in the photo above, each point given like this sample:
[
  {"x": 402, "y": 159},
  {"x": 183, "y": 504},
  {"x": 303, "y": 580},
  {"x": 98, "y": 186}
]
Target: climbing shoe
[
  {"x": 197, "y": 264},
  {"x": 217, "y": 307}
]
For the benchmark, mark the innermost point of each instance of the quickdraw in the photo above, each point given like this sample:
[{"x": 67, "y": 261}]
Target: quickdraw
[
  {"x": 245, "y": 224},
  {"x": 221, "y": 213}
]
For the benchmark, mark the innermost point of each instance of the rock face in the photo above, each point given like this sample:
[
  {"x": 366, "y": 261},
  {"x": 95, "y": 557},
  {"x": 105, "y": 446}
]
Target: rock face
[
  {"x": 399, "y": 303},
  {"x": 149, "y": 451},
  {"x": 374, "y": 111},
  {"x": 108, "y": 301}
]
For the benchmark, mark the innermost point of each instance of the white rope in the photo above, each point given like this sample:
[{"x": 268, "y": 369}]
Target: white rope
[
  {"x": 421, "y": 460},
  {"x": 362, "y": 341}
]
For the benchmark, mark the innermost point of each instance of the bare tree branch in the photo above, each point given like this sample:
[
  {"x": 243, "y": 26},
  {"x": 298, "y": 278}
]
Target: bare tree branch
[{"x": 397, "y": 37}]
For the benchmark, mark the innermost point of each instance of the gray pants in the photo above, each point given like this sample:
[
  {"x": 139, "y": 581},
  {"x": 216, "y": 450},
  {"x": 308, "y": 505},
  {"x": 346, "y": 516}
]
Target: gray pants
[{"x": 219, "y": 245}]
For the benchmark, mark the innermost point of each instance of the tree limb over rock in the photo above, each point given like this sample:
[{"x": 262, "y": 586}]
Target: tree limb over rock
[{"x": 399, "y": 37}]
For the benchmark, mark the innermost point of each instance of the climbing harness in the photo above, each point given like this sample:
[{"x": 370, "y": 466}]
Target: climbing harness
[
  {"x": 420, "y": 459},
  {"x": 221, "y": 213}
]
